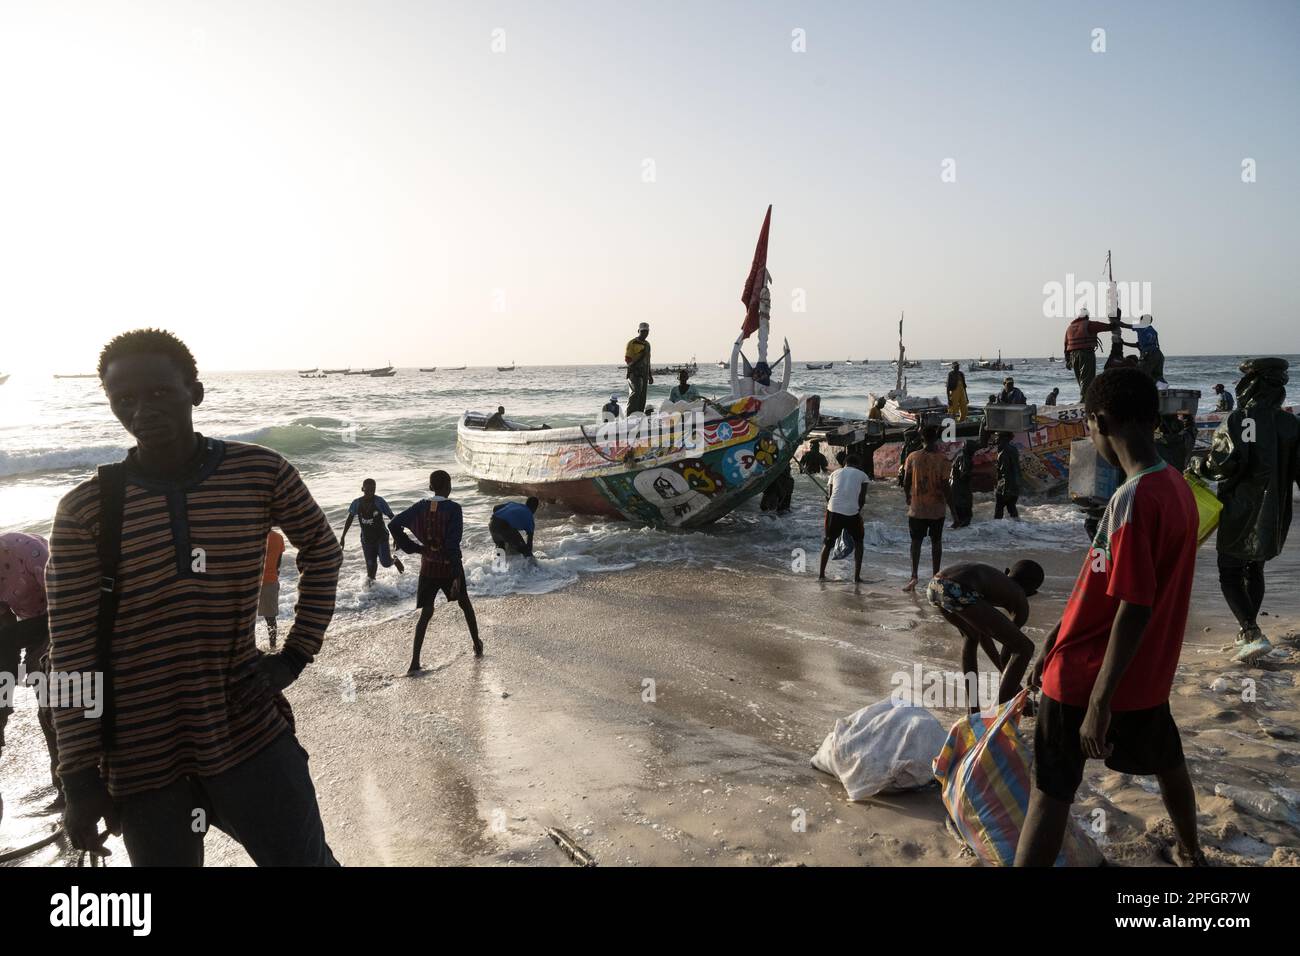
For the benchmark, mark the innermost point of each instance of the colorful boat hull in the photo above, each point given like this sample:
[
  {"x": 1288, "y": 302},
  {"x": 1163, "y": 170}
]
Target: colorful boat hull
[{"x": 608, "y": 472}]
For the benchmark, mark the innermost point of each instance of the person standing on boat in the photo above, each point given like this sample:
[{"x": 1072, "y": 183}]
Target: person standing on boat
[
  {"x": 1081, "y": 348},
  {"x": 683, "y": 391},
  {"x": 438, "y": 525},
  {"x": 1051, "y": 397},
  {"x": 1150, "y": 359},
  {"x": 1255, "y": 458},
  {"x": 637, "y": 358},
  {"x": 877, "y": 411},
  {"x": 497, "y": 421},
  {"x": 1007, "y": 490},
  {"x": 1010, "y": 395},
  {"x": 958, "y": 404},
  {"x": 610, "y": 412},
  {"x": 1225, "y": 399},
  {"x": 846, "y": 493}
]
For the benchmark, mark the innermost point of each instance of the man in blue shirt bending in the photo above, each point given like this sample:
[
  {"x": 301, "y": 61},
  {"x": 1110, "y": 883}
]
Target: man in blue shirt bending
[{"x": 510, "y": 522}]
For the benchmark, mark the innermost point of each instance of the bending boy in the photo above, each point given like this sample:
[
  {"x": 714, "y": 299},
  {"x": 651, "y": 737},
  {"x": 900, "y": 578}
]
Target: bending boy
[{"x": 971, "y": 598}]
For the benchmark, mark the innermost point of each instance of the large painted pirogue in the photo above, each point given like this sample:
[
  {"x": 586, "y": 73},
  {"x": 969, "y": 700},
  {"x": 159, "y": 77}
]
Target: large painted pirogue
[
  {"x": 644, "y": 470},
  {"x": 685, "y": 466}
]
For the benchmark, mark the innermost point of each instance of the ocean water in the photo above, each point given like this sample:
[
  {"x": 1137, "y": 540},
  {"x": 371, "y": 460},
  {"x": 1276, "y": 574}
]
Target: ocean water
[{"x": 340, "y": 430}]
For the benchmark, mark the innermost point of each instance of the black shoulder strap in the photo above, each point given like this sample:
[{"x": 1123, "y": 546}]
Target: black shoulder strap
[{"x": 112, "y": 499}]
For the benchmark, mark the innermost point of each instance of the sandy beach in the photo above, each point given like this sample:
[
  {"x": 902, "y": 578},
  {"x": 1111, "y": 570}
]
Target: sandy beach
[{"x": 559, "y": 726}]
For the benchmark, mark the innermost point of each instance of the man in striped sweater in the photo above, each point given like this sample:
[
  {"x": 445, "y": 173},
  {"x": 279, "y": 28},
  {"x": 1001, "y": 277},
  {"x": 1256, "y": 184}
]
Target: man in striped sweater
[{"x": 195, "y": 729}]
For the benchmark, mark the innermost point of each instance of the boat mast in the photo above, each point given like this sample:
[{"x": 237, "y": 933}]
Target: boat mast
[
  {"x": 1112, "y": 309},
  {"x": 898, "y": 380}
]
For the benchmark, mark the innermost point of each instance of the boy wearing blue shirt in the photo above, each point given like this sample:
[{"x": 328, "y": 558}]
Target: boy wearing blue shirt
[{"x": 510, "y": 522}]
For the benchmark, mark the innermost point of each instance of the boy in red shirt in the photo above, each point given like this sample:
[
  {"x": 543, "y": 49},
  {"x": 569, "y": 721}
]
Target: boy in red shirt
[{"x": 1108, "y": 665}]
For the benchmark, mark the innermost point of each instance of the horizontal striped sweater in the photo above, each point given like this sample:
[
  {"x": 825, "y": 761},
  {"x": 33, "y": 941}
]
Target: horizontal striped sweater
[{"x": 185, "y": 683}]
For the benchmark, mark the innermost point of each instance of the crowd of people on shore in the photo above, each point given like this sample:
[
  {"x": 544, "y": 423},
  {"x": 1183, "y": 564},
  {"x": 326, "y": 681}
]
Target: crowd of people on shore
[{"x": 194, "y": 713}]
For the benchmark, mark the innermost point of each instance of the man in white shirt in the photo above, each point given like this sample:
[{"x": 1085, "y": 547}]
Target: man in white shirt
[{"x": 846, "y": 493}]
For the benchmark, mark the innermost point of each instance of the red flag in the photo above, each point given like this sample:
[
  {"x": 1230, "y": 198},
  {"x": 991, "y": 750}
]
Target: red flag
[{"x": 754, "y": 284}]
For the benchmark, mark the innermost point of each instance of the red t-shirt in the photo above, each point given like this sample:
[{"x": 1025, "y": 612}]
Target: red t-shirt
[{"x": 1144, "y": 553}]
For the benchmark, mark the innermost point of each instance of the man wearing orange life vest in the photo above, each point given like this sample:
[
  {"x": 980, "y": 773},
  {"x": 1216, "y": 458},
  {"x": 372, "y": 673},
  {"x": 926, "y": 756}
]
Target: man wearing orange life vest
[{"x": 1081, "y": 347}]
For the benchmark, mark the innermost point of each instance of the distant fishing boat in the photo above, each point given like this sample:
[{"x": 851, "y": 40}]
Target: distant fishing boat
[
  {"x": 434, "y": 369},
  {"x": 900, "y": 408},
  {"x": 991, "y": 365},
  {"x": 85, "y": 375},
  {"x": 506, "y": 368},
  {"x": 318, "y": 375},
  {"x": 386, "y": 372},
  {"x": 690, "y": 368},
  {"x": 813, "y": 366},
  {"x": 307, "y": 371},
  {"x": 337, "y": 371},
  {"x": 454, "y": 368},
  {"x": 848, "y": 361},
  {"x": 644, "y": 468}
]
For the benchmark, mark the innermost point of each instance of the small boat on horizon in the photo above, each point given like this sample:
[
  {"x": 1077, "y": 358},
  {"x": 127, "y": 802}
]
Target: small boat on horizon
[
  {"x": 454, "y": 368},
  {"x": 433, "y": 369},
  {"x": 814, "y": 367},
  {"x": 84, "y": 375},
  {"x": 506, "y": 368},
  {"x": 386, "y": 372},
  {"x": 336, "y": 371},
  {"x": 308, "y": 371}
]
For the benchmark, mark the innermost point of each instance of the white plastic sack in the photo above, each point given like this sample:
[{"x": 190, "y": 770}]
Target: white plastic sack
[{"x": 885, "y": 746}]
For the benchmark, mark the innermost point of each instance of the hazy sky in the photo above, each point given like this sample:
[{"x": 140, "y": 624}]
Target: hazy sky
[{"x": 290, "y": 184}]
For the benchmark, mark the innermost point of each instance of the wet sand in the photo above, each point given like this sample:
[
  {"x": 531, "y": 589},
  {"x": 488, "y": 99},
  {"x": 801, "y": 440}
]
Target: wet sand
[{"x": 467, "y": 763}]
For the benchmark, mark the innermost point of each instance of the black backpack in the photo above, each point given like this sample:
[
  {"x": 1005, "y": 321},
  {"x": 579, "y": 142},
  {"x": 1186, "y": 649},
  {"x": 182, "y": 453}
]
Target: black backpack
[{"x": 112, "y": 501}]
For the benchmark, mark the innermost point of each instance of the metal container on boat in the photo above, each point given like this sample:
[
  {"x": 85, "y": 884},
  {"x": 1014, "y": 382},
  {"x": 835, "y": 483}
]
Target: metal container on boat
[
  {"x": 1010, "y": 418},
  {"x": 1179, "y": 400}
]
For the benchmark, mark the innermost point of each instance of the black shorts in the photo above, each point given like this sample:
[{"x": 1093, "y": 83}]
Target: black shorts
[
  {"x": 1144, "y": 742},
  {"x": 836, "y": 523},
  {"x": 430, "y": 586},
  {"x": 920, "y": 527}
]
